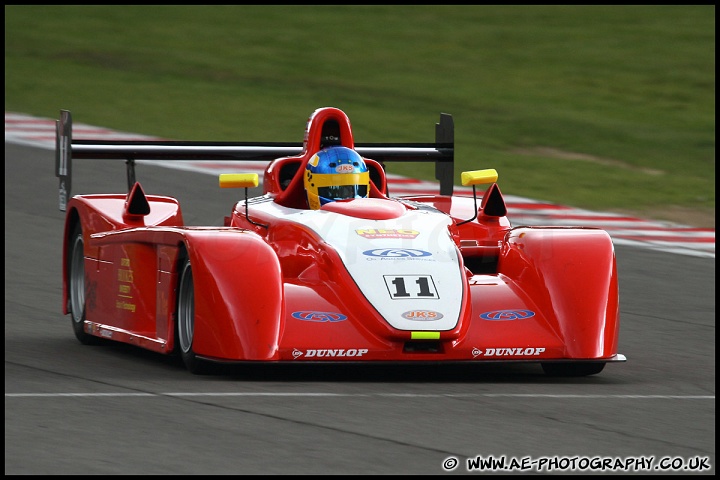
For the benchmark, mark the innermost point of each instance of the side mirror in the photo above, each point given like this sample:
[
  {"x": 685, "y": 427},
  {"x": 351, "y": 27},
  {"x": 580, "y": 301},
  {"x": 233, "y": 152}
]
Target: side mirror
[
  {"x": 241, "y": 180},
  {"x": 477, "y": 177}
]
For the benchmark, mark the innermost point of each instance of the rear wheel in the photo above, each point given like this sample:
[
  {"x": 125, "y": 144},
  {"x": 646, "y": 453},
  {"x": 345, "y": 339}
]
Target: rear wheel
[
  {"x": 579, "y": 369},
  {"x": 76, "y": 286},
  {"x": 185, "y": 327}
]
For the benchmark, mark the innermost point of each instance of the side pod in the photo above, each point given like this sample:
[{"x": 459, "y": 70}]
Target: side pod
[{"x": 572, "y": 275}]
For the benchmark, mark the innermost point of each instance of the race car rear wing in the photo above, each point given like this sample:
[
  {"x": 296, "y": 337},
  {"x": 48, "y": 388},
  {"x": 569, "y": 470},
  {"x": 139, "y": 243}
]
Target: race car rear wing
[{"x": 441, "y": 152}]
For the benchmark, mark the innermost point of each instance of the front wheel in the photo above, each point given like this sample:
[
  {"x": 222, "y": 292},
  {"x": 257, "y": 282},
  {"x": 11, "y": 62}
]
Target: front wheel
[
  {"x": 185, "y": 327},
  {"x": 579, "y": 369},
  {"x": 76, "y": 286}
]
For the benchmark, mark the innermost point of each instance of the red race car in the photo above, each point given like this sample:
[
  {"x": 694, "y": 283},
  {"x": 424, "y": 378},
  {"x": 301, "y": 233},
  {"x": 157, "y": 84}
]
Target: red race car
[{"x": 326, "y": 266}]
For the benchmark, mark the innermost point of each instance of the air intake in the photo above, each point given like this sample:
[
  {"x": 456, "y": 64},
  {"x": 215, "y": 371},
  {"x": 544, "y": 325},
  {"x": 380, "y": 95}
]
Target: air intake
[{"x": 423, "y": 347}]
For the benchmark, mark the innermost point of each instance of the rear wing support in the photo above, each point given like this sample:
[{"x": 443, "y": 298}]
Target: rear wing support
[{"x": 441, "y": 152}]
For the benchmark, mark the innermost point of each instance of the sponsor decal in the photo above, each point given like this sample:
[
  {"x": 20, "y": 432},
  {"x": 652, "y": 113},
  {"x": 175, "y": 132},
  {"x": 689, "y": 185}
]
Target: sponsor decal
[
  {"x": 329, "y": 352},
  {"x": 121, "y": 305},
  {"x": 422, "y": 315},
  {"x": 508, "y": 352},
  {"x": 386, "y": 233},
  {"x": 126, "y": 280},
  {"x": 96, "y": 329},
  {"x": 344, "y": 168},
  {"x": 310, "y": 316},
  {"x": 396, "y": 253},
  {"x": 63, "y": 194},
  {"x": 503, "y": 315}
]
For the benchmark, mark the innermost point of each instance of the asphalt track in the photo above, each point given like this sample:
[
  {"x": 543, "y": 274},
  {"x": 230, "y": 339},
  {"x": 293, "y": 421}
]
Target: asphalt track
[{"x": 115, "y": 409}]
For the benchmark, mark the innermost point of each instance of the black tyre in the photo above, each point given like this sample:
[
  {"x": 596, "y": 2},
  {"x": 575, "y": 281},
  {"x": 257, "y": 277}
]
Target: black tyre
[
  {"x": 185, "y": 326},
  {"x": 580, "y": 369},
  {"x": 76, "y": 286}
]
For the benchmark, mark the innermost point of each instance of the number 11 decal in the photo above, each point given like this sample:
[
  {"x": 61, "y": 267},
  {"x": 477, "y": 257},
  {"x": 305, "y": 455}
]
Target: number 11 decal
[{"x": 411, "y": 286}]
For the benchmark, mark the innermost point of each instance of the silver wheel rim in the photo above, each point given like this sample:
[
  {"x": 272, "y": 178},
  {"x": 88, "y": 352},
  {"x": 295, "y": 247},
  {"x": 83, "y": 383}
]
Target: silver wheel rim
[
  {"x": 186, "y": 310},
  {"x": 77, "y": 280}
]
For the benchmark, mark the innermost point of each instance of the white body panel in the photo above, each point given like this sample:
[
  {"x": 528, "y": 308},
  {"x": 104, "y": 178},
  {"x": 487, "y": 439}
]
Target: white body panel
[{"x": 407, "y": 267}]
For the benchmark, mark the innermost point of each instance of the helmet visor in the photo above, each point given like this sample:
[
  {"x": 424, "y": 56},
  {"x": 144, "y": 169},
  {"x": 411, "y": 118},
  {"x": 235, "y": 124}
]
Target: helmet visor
[{"x": 342, "y": 192}]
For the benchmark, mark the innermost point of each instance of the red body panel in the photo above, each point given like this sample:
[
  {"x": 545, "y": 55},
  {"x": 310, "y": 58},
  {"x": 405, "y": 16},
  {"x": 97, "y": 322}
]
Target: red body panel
[
  {"x": 271, "y": 293},
  {"x": 131, "y": 278},
  {"x": 564, "y": 277},
  {"x": 570, "y": 273},
  {"x": 273, "y": 284}
]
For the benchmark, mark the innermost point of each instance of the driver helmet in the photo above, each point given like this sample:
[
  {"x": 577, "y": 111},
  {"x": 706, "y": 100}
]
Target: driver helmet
[{"x": 335, "y": 173}]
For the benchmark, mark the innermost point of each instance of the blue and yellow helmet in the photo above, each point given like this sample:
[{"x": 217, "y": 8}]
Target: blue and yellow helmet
[{"x": 335, "y": 173}]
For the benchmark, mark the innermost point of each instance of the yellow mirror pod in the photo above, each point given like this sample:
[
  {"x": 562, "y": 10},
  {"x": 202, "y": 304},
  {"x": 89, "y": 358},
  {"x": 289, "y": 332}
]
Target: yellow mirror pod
[
  {"x": 477, "y": 177},
  {"x": 238, "y": 180}
]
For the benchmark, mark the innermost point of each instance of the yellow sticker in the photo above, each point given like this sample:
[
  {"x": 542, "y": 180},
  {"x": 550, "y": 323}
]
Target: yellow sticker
[{"x": 424, "y": 335}]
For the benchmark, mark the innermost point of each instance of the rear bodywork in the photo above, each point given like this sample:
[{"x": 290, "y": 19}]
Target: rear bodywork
[{"x": 430, "y": 278}]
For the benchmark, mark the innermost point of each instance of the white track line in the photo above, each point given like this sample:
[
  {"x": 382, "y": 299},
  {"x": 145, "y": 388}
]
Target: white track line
[{"x": 328, "y": 394}]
